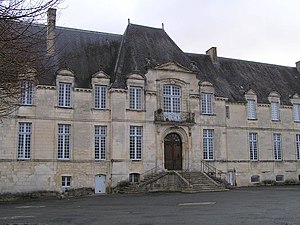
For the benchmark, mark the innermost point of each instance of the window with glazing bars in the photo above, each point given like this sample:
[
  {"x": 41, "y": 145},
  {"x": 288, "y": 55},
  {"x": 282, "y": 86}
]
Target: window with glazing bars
[
  {"x": 66, "y": 181},
  {"x": 26, "y": 93},
  {"x": 296, "y": 109},
  {"x": 206, "y": 103},
  {"x": 135, "y": 98},
  {"x": 100, "y": 95},
  {"x": 135, "y": 142},
  {"x": 24, "y": 140},
  {"x": 171, "y": 98},
  {"x": 298, "y": 146},
  {"x": 277, "y": 146},
  {"x": 208, "y": 144},
  {"x": 253, "y": 146},
  {"x": 251, "y": 109},
  {"x": 63, "y": 144},
  {"x": 275, "y": 111},
  {"x": 64, "y": 94},
  {"x": 100, "y": 142}
]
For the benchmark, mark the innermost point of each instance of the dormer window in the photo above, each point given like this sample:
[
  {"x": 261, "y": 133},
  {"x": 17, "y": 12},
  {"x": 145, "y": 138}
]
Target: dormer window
[
  {"x": 100, "y": 96},
  {"x": 135, "y": 98},
  {"x": 206, "y": 103},
  {"x": 64, "y": 94},
  {"x": 26, "y": 93},
  {"x": 251, "y": 109},
  {"x": 100, "y": 84},
  {"x": 275, "y": 111},
  {"x": 274, "y": 99},
  {"x": 251, "y": 104},
  {"x": 296, "y": 109},
  {"x": 65, "y": 81},
  {"x": 136, "y": 86},
  {"x": 207, "y": 98}
]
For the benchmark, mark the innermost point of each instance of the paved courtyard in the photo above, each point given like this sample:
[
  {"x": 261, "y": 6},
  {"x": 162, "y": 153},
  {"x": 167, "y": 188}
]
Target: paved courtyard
[{"x": 267, "y": 205}]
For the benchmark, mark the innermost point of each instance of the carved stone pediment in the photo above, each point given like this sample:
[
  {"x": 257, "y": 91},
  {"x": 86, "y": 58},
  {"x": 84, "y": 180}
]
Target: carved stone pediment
[{"x": 173, "y": 66}]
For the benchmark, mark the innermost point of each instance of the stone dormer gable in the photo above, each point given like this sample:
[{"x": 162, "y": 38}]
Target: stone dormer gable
[
  {"x": 173, "y": 66},
  {"x": 250, "y": 92},
  {"x": 135, "y": 76},
  {"x": 65, "y": 72},
  {"x": 101, "y": 74}
]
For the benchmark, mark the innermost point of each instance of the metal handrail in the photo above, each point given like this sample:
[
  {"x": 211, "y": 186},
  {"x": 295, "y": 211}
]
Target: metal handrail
[{"x": 211, "y": 170}]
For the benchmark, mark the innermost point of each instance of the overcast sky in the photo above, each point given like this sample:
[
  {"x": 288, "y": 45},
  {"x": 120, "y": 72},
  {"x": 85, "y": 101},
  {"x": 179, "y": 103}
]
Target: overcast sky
[{"x": 257, "y": 30}]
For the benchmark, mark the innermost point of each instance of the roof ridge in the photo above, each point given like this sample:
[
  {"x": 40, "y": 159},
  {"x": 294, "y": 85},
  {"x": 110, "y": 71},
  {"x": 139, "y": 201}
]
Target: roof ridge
[
  {"x": 87, "y": 31},
  {"x": 240, "y": 60}
]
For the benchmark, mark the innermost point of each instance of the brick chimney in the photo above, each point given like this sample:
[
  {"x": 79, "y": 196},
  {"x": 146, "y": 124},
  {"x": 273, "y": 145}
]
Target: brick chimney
[
  {"x": 212, "y": 52},
  {"x": 51, "y": 19},
  {"x": 298, "y": 66}
]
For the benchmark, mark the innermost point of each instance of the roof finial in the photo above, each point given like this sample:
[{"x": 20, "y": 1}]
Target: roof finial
[
  {"x": 162, "y": 26},
  {"x": 128, "y": 21}
]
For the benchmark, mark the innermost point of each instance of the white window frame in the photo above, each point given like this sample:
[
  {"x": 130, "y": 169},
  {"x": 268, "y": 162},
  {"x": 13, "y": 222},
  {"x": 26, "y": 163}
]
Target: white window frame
[
  {"x": 66, "y": 181},
  {"x": 134, "y": 178},
  {"x": 100, "y": 142},
  {"x": 208, "y": 144},
  {"x": 253, "y": 146},
  {"x": 206, "y": 103},
  {"x": 100, "y": 97},
  {"x": 64, "y": 142},
  {"x": 277, "y": 147},
  {"x": 135, "y": 98},
  {"x": 171, "y": 98},
  {"x": 275, "y": 112},
  {"x": 24, "y": 141},
  {"x": 26, "y": 97},
  {"x": 298, "y": 146},
  {"x": 251, "y": 109},
  {"x": 135, "y": 142},
  {"x": 64, "y": 94},
  {"x": 296, "y": 109}
]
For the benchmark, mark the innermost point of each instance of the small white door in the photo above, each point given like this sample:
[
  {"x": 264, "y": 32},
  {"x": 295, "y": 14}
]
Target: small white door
[
  {"x": 100, "y": 184},
  {"x": 230, "y": 178}
]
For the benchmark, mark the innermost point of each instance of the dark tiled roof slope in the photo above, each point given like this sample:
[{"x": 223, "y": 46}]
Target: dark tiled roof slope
[
  {"x": 139, "y": 43},
  {"x": 86, "y": 52},
  {"x": 232, "y": 78}
]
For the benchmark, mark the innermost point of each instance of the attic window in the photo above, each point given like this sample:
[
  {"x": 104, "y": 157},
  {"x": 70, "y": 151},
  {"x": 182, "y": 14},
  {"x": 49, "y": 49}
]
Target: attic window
[
  {"x": 275, "y": 111},
  {"x": 296, "y": 108},
  {"x": 251, "y": 109}
]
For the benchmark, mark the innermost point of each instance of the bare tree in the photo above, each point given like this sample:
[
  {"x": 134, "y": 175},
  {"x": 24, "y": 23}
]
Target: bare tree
[{"x": 22, "y": 47}]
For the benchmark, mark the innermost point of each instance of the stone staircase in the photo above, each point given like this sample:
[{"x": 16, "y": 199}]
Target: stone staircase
[
  {"x": 188, "y": 182},
  {"x": 200, "y": 182}
]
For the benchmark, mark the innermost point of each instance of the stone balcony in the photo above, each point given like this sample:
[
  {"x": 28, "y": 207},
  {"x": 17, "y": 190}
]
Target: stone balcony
[{"x": 174, "y": 117}]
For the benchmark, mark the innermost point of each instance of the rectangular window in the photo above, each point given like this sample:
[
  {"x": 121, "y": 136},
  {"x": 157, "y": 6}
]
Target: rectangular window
[
  {"x": 298, "y": 146},
  {"x": 227, "y": 112},
  {"x": 66, "y": 181},
  {"x": 277, "y": 146},
  {"x": 251, "y": 109},
  {"x": 208, "y": 144},
  {"x": 135, "y": 98},
  {"x": 253, "y": 146},
  {"x": 64, "y": 95},
  {"x": 296, "y": 109},
  {"x": 63, "y": 144},
  {"x": 24, "y": 140},
  {"x": 206, "y": 103},
  {"x": 135, "y": 145},
  {"x": 100, "y": 142},
  {"x": 275, "y": 111},
  {"x": 26, "y": 93},
  {"x": 100, "y": 96},
  {"x": 171, "y": 98}
]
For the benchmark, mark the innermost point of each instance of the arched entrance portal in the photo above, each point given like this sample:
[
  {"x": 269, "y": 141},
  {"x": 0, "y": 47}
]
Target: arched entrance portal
[{"x": 173, "y": 152}]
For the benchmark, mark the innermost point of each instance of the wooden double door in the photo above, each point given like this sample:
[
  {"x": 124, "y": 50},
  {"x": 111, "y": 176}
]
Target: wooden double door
[{"x": 173, "y": 152}]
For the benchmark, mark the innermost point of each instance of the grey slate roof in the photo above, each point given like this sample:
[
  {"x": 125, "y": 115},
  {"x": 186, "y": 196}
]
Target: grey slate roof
[{"x": 85, "y": 52}]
